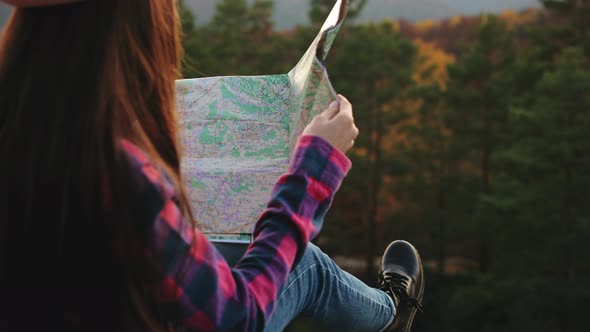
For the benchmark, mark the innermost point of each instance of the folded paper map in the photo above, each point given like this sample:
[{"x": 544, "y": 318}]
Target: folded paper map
[{"x": 238, "y": 133}]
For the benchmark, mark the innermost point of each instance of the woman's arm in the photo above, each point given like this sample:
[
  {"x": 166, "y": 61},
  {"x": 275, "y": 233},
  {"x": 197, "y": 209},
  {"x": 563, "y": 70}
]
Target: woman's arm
[{"x": 195, "y": 278}]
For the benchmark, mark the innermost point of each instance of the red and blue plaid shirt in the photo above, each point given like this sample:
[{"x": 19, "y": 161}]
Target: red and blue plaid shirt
[{"x": 191, "y": 273}]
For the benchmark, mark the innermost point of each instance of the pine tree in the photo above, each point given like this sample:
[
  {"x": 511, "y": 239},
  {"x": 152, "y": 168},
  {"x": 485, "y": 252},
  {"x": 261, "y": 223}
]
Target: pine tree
[
  {"x": 376, "y": 90},
  {"x": 540, "y": 197},
  {"x": 478, "y": 96},
  {"x": 189, "y": 42},
  {"x": 239, "y": 40}
]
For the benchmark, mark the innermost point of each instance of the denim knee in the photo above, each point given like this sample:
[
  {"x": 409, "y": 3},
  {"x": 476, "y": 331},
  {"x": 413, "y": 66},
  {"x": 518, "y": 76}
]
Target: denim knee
[{"x": 313, "y": 255}]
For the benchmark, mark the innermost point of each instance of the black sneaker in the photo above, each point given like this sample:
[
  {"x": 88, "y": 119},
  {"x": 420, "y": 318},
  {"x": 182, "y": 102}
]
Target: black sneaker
[{"x": 401, "y": 277}]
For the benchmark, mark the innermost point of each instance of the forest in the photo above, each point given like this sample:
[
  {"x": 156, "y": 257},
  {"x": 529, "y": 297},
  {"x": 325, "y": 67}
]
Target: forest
[{"x": 474, "y": 146}]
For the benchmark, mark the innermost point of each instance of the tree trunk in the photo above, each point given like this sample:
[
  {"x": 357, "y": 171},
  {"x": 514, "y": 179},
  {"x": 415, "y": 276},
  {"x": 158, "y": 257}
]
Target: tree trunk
[
  {"x": 441, "y": 230},
  {"x": 375, "y": 170},
  {"x": 484, "y": 250}
]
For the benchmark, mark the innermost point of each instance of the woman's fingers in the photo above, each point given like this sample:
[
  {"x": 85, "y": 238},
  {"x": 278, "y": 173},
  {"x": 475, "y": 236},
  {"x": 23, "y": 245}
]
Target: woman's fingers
[
  {"x": 336, "y": 125},
  {"x": 345, "y": 106},
  {"x": 332, "y": 110}
]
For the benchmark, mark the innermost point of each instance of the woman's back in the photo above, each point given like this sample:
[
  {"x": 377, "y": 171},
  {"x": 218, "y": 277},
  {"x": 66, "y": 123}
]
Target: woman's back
[{"x": 74, "y": 81}]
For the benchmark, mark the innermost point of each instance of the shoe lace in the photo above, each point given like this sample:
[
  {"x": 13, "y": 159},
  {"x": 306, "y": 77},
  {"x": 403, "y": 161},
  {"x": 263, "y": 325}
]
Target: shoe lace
[{"x": 397, "y": 284}]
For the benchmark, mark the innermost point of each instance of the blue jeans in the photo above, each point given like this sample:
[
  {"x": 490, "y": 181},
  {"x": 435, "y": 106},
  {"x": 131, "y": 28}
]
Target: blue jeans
[{"x": 320, "y": 289}]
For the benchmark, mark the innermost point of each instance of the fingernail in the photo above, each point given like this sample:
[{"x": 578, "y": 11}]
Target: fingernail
[{"x": 334, "y": 104}]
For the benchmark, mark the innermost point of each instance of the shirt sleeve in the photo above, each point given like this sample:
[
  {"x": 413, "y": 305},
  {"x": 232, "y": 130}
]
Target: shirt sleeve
[{"x": 194, "y": 285}]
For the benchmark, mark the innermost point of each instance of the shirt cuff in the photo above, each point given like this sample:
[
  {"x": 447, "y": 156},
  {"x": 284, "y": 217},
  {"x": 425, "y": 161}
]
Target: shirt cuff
[{"x": 321, "y": 160}]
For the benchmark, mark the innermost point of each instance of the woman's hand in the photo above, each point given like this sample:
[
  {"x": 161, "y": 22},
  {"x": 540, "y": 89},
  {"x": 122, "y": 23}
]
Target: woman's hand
[{"x": 335, "y": 125}]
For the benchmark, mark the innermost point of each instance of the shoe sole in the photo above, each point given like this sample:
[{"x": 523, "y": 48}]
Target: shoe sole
[{"x": 408, "y": 327}]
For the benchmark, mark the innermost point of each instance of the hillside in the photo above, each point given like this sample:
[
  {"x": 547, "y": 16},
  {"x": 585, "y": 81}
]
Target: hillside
[{"x": 289, "y": 13}]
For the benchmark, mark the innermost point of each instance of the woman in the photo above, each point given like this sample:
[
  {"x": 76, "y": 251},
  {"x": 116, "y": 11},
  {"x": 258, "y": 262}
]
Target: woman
[{"x": 97, "y": 232}]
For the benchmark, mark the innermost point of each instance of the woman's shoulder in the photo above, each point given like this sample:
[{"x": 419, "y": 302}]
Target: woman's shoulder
[
  {"x": 145, "y": 169},
  {"x": 134, "y": 154}
]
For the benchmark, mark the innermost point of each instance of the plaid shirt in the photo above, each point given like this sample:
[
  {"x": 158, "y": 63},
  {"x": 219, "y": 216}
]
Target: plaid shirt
[{"x": 194, "y": 276}]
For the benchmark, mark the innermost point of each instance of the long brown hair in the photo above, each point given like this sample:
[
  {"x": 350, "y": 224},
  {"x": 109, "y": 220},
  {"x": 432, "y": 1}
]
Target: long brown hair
[{"x": 74, "y": 81}]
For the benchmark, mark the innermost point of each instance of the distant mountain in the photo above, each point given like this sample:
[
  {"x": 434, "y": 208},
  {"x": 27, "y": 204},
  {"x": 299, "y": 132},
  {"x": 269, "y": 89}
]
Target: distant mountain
[
  {"x": 5, "y": 11},
  {"x": 203, "y": 9},
  {"x": 377, "y": 10},
  {"x": 289, "y": 13},
  {"x": 478, "y": 6}
]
